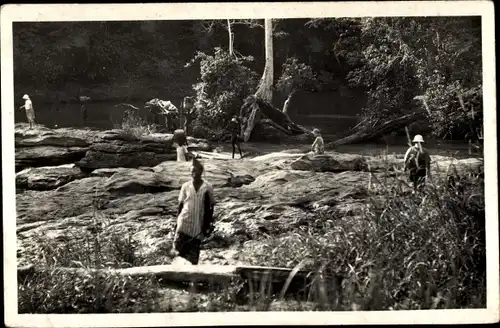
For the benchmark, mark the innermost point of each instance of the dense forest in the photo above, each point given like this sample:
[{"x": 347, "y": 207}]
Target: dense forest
[{"x": 399, "y": 64}]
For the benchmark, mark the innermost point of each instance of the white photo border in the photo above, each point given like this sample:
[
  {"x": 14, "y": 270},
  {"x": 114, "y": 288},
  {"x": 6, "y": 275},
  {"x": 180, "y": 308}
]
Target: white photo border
[{"x": 181, "y": 11}]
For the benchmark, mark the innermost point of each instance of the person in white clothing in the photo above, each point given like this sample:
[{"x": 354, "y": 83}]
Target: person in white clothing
[
  {"x": 318, "y": 146},
  {"x": 30, "y": 111},
  {"x": 180, "y": 144},
  {"x": 196, "y": 203}
]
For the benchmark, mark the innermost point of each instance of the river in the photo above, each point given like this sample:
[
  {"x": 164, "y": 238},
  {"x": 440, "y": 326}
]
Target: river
[{"x": 68, "y": 115}]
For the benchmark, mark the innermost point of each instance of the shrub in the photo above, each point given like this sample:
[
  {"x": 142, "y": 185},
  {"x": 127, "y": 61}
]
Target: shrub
[
  {"x": 225, "y": 81},
  {"x": 296, "y": 75}
]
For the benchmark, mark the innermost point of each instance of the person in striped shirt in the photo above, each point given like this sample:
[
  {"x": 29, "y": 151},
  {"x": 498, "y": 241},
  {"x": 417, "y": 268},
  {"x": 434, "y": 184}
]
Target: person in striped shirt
[{"x": 196, "y": 200}]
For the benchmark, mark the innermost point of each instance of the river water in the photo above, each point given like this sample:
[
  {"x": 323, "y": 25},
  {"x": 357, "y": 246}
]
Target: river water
[{"x": 68, "y": 115}]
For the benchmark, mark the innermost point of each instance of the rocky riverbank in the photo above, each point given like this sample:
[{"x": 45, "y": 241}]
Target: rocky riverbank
[{"x": 72, "y": 181}]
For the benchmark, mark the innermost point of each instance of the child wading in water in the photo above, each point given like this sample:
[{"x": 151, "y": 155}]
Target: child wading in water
[
  {"x": 418, "y": 162},
  {"x": 30, "y": 111},
  {"x": 195, "y": 218},
  {"x": 318, "y": 146}
]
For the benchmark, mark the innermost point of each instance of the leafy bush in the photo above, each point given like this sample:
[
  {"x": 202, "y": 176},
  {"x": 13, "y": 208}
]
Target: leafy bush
[
  {"x": 225, "y": 82},
  {"x": 295, "y": 76},
  {"x": 439, "y": 59}
]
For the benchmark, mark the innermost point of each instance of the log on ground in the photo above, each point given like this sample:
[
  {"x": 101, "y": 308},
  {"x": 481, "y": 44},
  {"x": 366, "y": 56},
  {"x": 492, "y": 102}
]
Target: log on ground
[
  {"x": 378, "y": 131},
  {"x": 204, "y": 273},
  {"x": 255, "y": 110}
]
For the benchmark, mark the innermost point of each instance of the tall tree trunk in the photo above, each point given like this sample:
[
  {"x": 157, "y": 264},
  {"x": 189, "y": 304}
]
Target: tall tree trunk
[
  {"x": 230, "y": 37},
  {"x": 264, "y": 91}
]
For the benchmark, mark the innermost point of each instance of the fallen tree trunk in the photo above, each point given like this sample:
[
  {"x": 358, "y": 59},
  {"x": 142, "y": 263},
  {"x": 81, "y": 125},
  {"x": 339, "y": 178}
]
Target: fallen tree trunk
[
  {"x": 254, "y": 110},
  {"x": 378, "y": 131},
  {"x": 204, "y": 273}
]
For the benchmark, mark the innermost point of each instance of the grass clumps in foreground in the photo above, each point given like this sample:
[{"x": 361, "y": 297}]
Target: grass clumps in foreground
[
  {"x": 424, "y": 251},
  {"x": 63, "y": 292}
]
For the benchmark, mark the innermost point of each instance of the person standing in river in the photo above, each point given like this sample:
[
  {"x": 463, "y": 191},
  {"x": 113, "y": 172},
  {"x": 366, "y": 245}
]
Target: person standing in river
[
  {"x": 235, "y": 128},
  {"x": 30, "y": 111},
  {"x": 84, "y": 114},
  {"x": 195, "y": 215},
  {"x": 418, "y": 162}
]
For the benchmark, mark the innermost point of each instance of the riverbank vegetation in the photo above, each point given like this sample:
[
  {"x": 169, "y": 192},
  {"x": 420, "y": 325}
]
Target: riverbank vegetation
[{"x": 401, "y": 64}]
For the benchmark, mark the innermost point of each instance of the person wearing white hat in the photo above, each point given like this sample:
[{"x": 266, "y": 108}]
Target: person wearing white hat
[
  {"x": 30, "y": 112},
  {"x": 417, "y": 161},
  {"x": 318, "y": 146},
  {"x": 235, "y": 129}
]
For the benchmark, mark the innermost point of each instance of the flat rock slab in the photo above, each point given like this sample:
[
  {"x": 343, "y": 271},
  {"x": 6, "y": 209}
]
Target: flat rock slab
[
  {"x": 47, "y": 156},
  {"x": 331, "y": 162},
  {"x": 46, "y": 178},
  {"x": 56, "y": 140},
  {"x": 134, "y": 181},
  {"x": 98, "y": 159}
]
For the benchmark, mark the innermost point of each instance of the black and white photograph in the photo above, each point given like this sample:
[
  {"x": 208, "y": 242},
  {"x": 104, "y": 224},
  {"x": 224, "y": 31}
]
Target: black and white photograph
[{"x": 203, "y": 160}]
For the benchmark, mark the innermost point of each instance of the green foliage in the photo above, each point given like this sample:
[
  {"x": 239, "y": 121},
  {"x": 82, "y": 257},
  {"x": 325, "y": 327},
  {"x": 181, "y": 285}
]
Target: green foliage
[
  {"x": 437, "y": 58},
  {"x": 295, "y": 76},
  {"x": 225, "y": 81}
]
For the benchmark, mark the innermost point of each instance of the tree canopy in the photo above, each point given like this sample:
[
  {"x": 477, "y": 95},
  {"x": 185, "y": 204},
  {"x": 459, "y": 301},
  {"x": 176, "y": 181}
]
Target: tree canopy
[{"x": 403, "y": 64}]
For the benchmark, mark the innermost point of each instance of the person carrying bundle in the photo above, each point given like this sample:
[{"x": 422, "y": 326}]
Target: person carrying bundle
[
  {"x": 418, "y": 162},
  {"x": 195, "y": 215}
]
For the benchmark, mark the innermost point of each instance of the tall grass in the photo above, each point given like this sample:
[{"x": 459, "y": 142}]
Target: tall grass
[
  {"x": 135, "y": 126},
  {"x": 405, "y": 251}
]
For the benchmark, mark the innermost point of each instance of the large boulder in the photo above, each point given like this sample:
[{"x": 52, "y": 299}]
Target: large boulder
[
  {"x": 116, "y": 149},
  {"x": 47, "y": 156},
  {"x": 46, "y": 178},
  {"x": 41, "y": 147}
]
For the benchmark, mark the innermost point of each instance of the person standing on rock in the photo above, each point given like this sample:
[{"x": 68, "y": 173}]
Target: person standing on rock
[
  {"x": 318, "y": 146},
  {"x": 235, "y": 129},
  {"x": 418, "y": 162},
  {"x": 187, "y": 106},
  {"x": 180, "y": 144},
  {"x": 30, "y": 111},
  {"x": 195, "y": 214}
]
